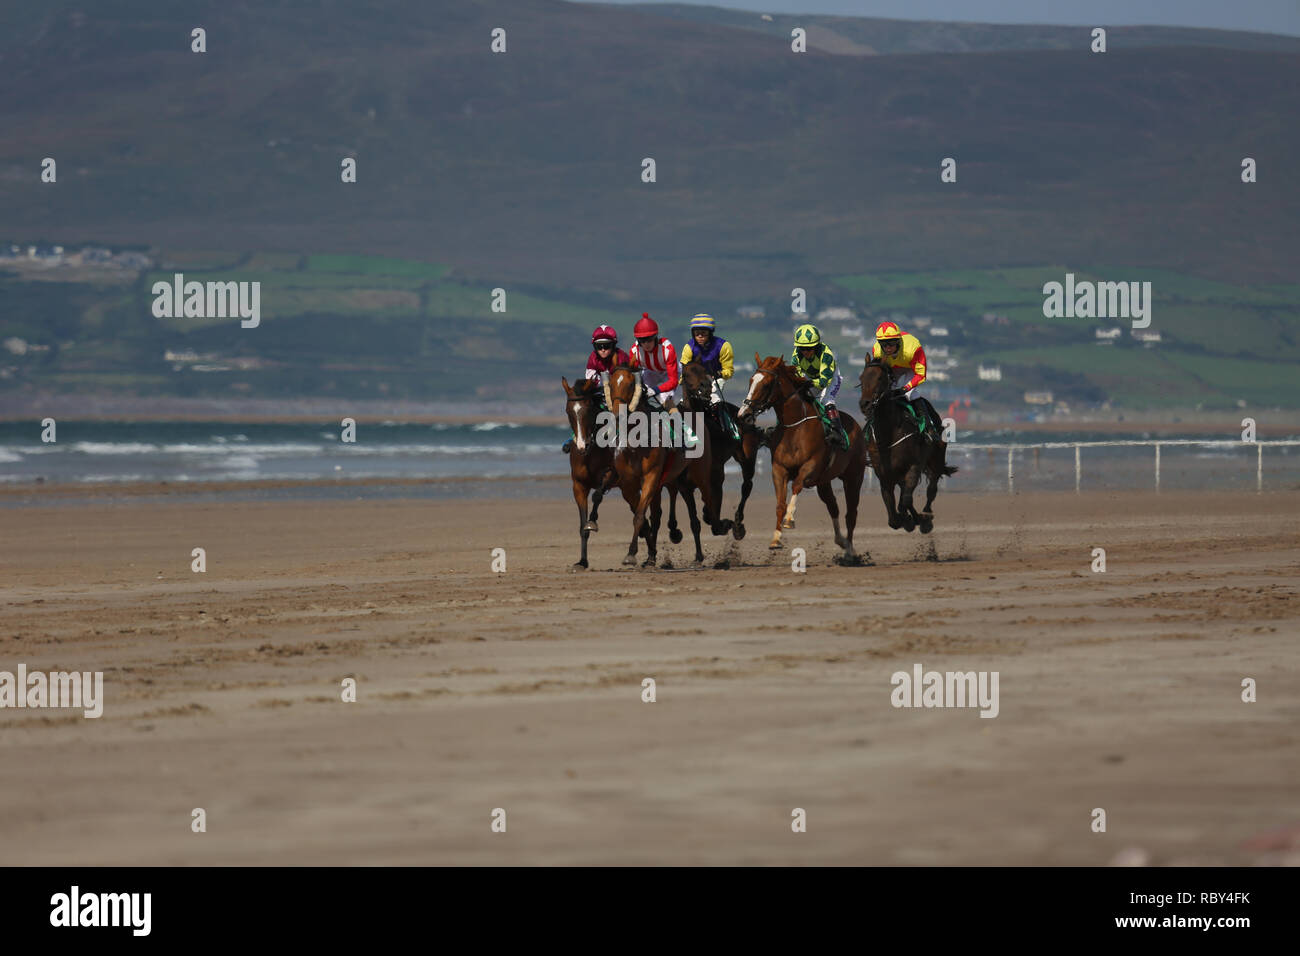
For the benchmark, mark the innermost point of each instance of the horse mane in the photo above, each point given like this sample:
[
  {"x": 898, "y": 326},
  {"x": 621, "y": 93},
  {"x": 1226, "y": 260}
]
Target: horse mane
[
  {"x": 777, "y": 364},
  {"x": 586, "y": 386}
]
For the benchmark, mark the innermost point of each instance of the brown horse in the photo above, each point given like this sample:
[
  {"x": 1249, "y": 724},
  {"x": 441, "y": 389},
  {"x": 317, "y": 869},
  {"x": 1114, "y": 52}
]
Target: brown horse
[
  {"x": 900, "y": 451},
  {"x": 589, "y": 462},
  {"x": 643, "y": 470},
  {"x": 697, "y": 389},
  {"x": 800, "y": 452}
]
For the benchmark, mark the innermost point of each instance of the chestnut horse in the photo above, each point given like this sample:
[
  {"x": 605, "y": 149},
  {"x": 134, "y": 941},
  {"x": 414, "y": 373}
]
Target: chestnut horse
[
  {"x": 588, "y": 461},
  {"x": 901, "y": 453},
  {"x": 643, "y": 471},
  {"x": 800, "y": 452},
  {"x": 697, "y": 390}
]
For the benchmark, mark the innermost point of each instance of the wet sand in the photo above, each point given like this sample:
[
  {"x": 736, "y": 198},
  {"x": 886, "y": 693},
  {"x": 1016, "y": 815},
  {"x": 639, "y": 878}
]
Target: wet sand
[{"x": 522, "y": 690}]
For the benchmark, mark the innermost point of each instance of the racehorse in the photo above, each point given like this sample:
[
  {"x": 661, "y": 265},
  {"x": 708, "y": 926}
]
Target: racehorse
[
  {"x": 801, "y": 453},
  {"x": 697, "y": 388},
  {"x": 588, "y": 461},
  {"x": 643, "y": 470},
  {"x": 901, "y": 452}
]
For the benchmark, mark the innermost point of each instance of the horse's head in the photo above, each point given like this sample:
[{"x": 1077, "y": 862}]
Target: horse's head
[
  {"x": 697, "y": 383},
  {"x": 581, "y": 401},
  {"x": 765, "y": 388},
  {"x": 875, "y": 382},
  {"x": 623, "y": 389}
]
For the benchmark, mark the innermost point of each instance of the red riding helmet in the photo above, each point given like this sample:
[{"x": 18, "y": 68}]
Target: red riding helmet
[
  {"x": 604, "y": 332},
  {"x": 646, "y": 327}
]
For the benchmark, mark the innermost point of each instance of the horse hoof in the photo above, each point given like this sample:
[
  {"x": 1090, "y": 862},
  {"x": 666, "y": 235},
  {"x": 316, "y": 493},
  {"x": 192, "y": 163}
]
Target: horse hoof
[
  {"x": 721, "y": 528},
  {"x": 774, "y": 546},
  {"x": 630, "y": 560},
  {"x": 926, "y": 526},
  {"x": 738, "y": 531},
  {"x": 675, "y": 535},
  {"x": 895, "y": 523},
  {"x": 789, "y": 524},
  {"x": 579, "y": 564},
  {"x": 590, "y": 526},
  {"x": 648, "y": 563},
  {"x": 909, "y": 526}
]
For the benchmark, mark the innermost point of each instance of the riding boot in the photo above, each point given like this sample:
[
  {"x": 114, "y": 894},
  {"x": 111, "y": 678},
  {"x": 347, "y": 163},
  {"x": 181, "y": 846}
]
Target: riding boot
[{"x": 567, "y": 446}]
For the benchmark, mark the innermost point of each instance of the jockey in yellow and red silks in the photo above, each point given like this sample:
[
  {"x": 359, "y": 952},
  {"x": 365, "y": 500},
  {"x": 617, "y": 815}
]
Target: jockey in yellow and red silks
[{"x": 906, "y": 360}]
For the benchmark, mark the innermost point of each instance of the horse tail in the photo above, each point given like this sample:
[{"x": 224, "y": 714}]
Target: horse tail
[{"x": 949, "y": 470}]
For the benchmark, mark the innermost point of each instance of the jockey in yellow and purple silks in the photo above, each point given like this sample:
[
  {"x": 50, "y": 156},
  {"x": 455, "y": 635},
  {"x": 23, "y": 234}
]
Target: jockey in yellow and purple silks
[
  {"x": 716, "y": 354},
  {"x": 906, "y": 360}
]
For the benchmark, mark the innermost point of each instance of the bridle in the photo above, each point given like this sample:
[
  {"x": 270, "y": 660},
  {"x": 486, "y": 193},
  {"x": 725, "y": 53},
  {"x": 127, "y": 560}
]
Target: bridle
[
  {"x": 585, "y": 415},
  {"x": 870, "y": 409},
  {"x": 758, "y": 409}
]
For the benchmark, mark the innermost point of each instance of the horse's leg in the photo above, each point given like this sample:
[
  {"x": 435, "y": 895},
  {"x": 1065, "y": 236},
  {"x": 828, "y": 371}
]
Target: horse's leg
[
  {"x": 887, "y": 484},
  {"x": 652, "y": 539},
  {"x": 905, "y": 507},
  {"x": 711, "y": 494},
  {"x": 688, "y": 495},
  {"x": 747, "y": 463},
  {"x": 580, "y": 496},
  {"x": 778, "y": 483},
  {"x": 638, "y": 499},
  {"x": 597, "y": 496},
  {"x": 674, "y": 532},
  {"x": 827, "y": 494},
  {"x": 852, "y": 482}
]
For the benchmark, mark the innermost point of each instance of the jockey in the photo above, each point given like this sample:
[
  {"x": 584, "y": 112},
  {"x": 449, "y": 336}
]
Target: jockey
[
  {"x": 660, "y": 373},
  {"x": 605, "y": 354},
  {"x": 657, "y": 360},
  {"x": 816, "y": 362},
  {"x": 716, "y": 354},
  {"x": 906, "y": 360}
]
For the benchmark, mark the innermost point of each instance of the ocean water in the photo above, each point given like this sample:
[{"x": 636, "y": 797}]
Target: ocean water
[
  {"x": 93, "y": 453},
  {"x": 96, "y": 452}
]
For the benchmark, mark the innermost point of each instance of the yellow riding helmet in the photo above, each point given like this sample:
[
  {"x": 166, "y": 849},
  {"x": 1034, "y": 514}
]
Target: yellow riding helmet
[
  {"x": 807, "y": 336},
  {"x": 888, "y": 330}
]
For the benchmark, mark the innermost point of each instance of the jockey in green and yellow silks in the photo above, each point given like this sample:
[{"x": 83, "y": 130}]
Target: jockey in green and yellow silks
[{"x": 816, "y": 362}]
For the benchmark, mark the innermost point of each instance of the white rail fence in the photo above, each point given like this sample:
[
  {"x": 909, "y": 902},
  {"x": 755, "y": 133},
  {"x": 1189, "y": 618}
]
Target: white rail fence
[{"x": 1078, "y": 447}]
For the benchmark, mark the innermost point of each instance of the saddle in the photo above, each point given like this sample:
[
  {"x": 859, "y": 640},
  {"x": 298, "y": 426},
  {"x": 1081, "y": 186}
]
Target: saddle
[
  {"x": 926, "y": 420},
  {"x": 834, "y": 431}
]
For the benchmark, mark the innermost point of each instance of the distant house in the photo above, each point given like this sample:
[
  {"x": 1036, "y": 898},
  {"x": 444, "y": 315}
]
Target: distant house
[
  {"x": 1109, "y": 333},
  {"x": 921, "y": 322},
  {"x": 990, "y": 373},
  {"x": 939, "y": 376},
  {"x": 836, "y": 314},
  {"x": 1143, "y": 335},
  {"x": 938, "y": 351},
  {"x": 16, "y": 345},
  {"x": 752, "y": 312},
  {"x": 939, "y": 331},
  {"x": 1038, "y": 398}
]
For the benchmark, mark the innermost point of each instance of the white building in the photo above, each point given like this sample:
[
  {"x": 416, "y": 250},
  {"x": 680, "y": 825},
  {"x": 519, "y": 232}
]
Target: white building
[
  {"x": 836, "y": 314},
  {"x": 990, "y": 373}
]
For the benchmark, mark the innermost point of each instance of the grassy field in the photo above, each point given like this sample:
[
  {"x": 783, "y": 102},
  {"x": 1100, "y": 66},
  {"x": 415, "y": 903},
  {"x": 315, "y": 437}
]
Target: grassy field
[{"x": 409, "y": 328}]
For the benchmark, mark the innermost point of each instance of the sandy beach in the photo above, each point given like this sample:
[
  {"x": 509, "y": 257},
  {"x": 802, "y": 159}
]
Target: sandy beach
[{"x": 522, "y": 690}]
